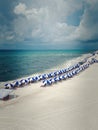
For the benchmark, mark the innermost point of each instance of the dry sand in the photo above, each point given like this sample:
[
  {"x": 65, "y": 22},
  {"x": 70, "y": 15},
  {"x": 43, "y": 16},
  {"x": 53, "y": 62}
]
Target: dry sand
[{"x": 67, "y": 105}]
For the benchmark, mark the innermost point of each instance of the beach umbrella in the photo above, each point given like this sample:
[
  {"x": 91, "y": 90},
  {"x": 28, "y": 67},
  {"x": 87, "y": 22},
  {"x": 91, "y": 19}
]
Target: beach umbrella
[
  {"x": 69, "y": 75},
  {"x": 74, "y": 66},
  {"x": 45, "y": 75},
  {"x": 61, "y": 77},
  {"x": 64, "y": 70},
  {"x": 57, "y": 79},
  {"x": 49, "y": 75},
  {"x": 35, "y": 78},
  {"x": 65, "y": 76},
  {"x": 30, "y": 80},
  {"x": 52, "y": 74},
  {"x": 26, "y": 81},
  {"x": 38, "y": 78},
  {"x": 17, "y": 84},
  {"x": 49, "y": 82},
  {"x": 77, "y": 65},
  {"x": 70, "y": 68},
  {"x": 83, "y": 67},
  {"x": 23, "y": 82},
  {"x": 45, "y": 83},
  {"x": 8, "y": 86},
  {"x": 53, "y": 80},
  {"x": 42, "y": 77},
  {"x": 80, "y": 68},
  {"x": 60, "y": 72},
  {"x": 67, "y": 69},
  {"x": 74, "y": 72},
  {"x": 57, "y": 72}
]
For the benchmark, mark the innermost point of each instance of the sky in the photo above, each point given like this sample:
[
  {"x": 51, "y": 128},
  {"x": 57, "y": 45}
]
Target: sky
[{"x": 48, "y": 24}]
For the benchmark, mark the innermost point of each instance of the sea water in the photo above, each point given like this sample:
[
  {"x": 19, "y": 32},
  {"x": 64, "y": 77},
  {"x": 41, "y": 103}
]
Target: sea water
[{"x": 15, "y": 64}]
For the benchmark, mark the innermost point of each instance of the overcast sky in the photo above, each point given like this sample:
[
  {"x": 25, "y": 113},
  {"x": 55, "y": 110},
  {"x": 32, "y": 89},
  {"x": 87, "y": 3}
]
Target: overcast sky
[{"x": 48, "y": 24}]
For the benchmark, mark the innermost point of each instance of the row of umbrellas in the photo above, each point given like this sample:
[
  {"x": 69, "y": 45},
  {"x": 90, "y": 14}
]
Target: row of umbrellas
[
  {"x": 69, "y": 74},
  {"x": 65, "y": 76},
  {"x": 44, "y": 77},
  {"x": 24, "y": 82}
]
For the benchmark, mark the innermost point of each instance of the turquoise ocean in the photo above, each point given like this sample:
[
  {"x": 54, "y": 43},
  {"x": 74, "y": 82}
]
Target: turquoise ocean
[{"x": 15, "y": 64}]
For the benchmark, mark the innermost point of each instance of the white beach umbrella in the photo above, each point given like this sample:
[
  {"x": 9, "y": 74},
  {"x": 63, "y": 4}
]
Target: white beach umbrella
[
  {"x": 8, "y": 86},
  {"x": 17, "y": 84}
]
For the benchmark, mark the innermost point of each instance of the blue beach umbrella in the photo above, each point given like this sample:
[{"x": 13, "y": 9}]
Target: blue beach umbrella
[
  {"x": 45, "y": 76},
  {"x": 60, "y": 71},
  {"x": 8, "y": 86},
  {"x": 52, "y": 74},
  {"x": 65, "y": 76},
  {"x": 26, "y": 81},
  {"x": 58, "y": 79},
  {"x": 44, "y": 83},
  {"x": 61, "y": 77},
  {"x": 64, "y": 70},
  {"x": 17, "y": 84},
  {"x": 30, "y": 80},
  {"x": 35, "y": 78},
  {"x": 69, "y": 75},
  {"x": 53, "y": 80},
  {"x": 22, "y": 82},
  {"x": 41, "y": 77},
  {"x": 57, "y": 72},
  {"x": 69, "y": 68},
  {"x": 73, "y": 72},
  {"x": 49, "y": 82},
  {"x": 38, "y": 78},
  {"x": 49, "y": 75}
]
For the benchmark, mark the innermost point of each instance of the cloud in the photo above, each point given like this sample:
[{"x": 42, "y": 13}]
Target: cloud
[
  {"x": 87, "y": 30},
  {"x": 46, "y": 21},
  {"x": 20, "y": 8}
]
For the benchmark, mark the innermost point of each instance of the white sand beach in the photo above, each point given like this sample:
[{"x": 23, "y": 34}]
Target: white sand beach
[{"x": 68, "y": 105}]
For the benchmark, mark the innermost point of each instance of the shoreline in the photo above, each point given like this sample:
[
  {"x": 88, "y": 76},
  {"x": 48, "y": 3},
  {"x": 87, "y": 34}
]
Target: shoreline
[
  {"x": 70, "y": 104},
  {"x": 66, "y": 64}
]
